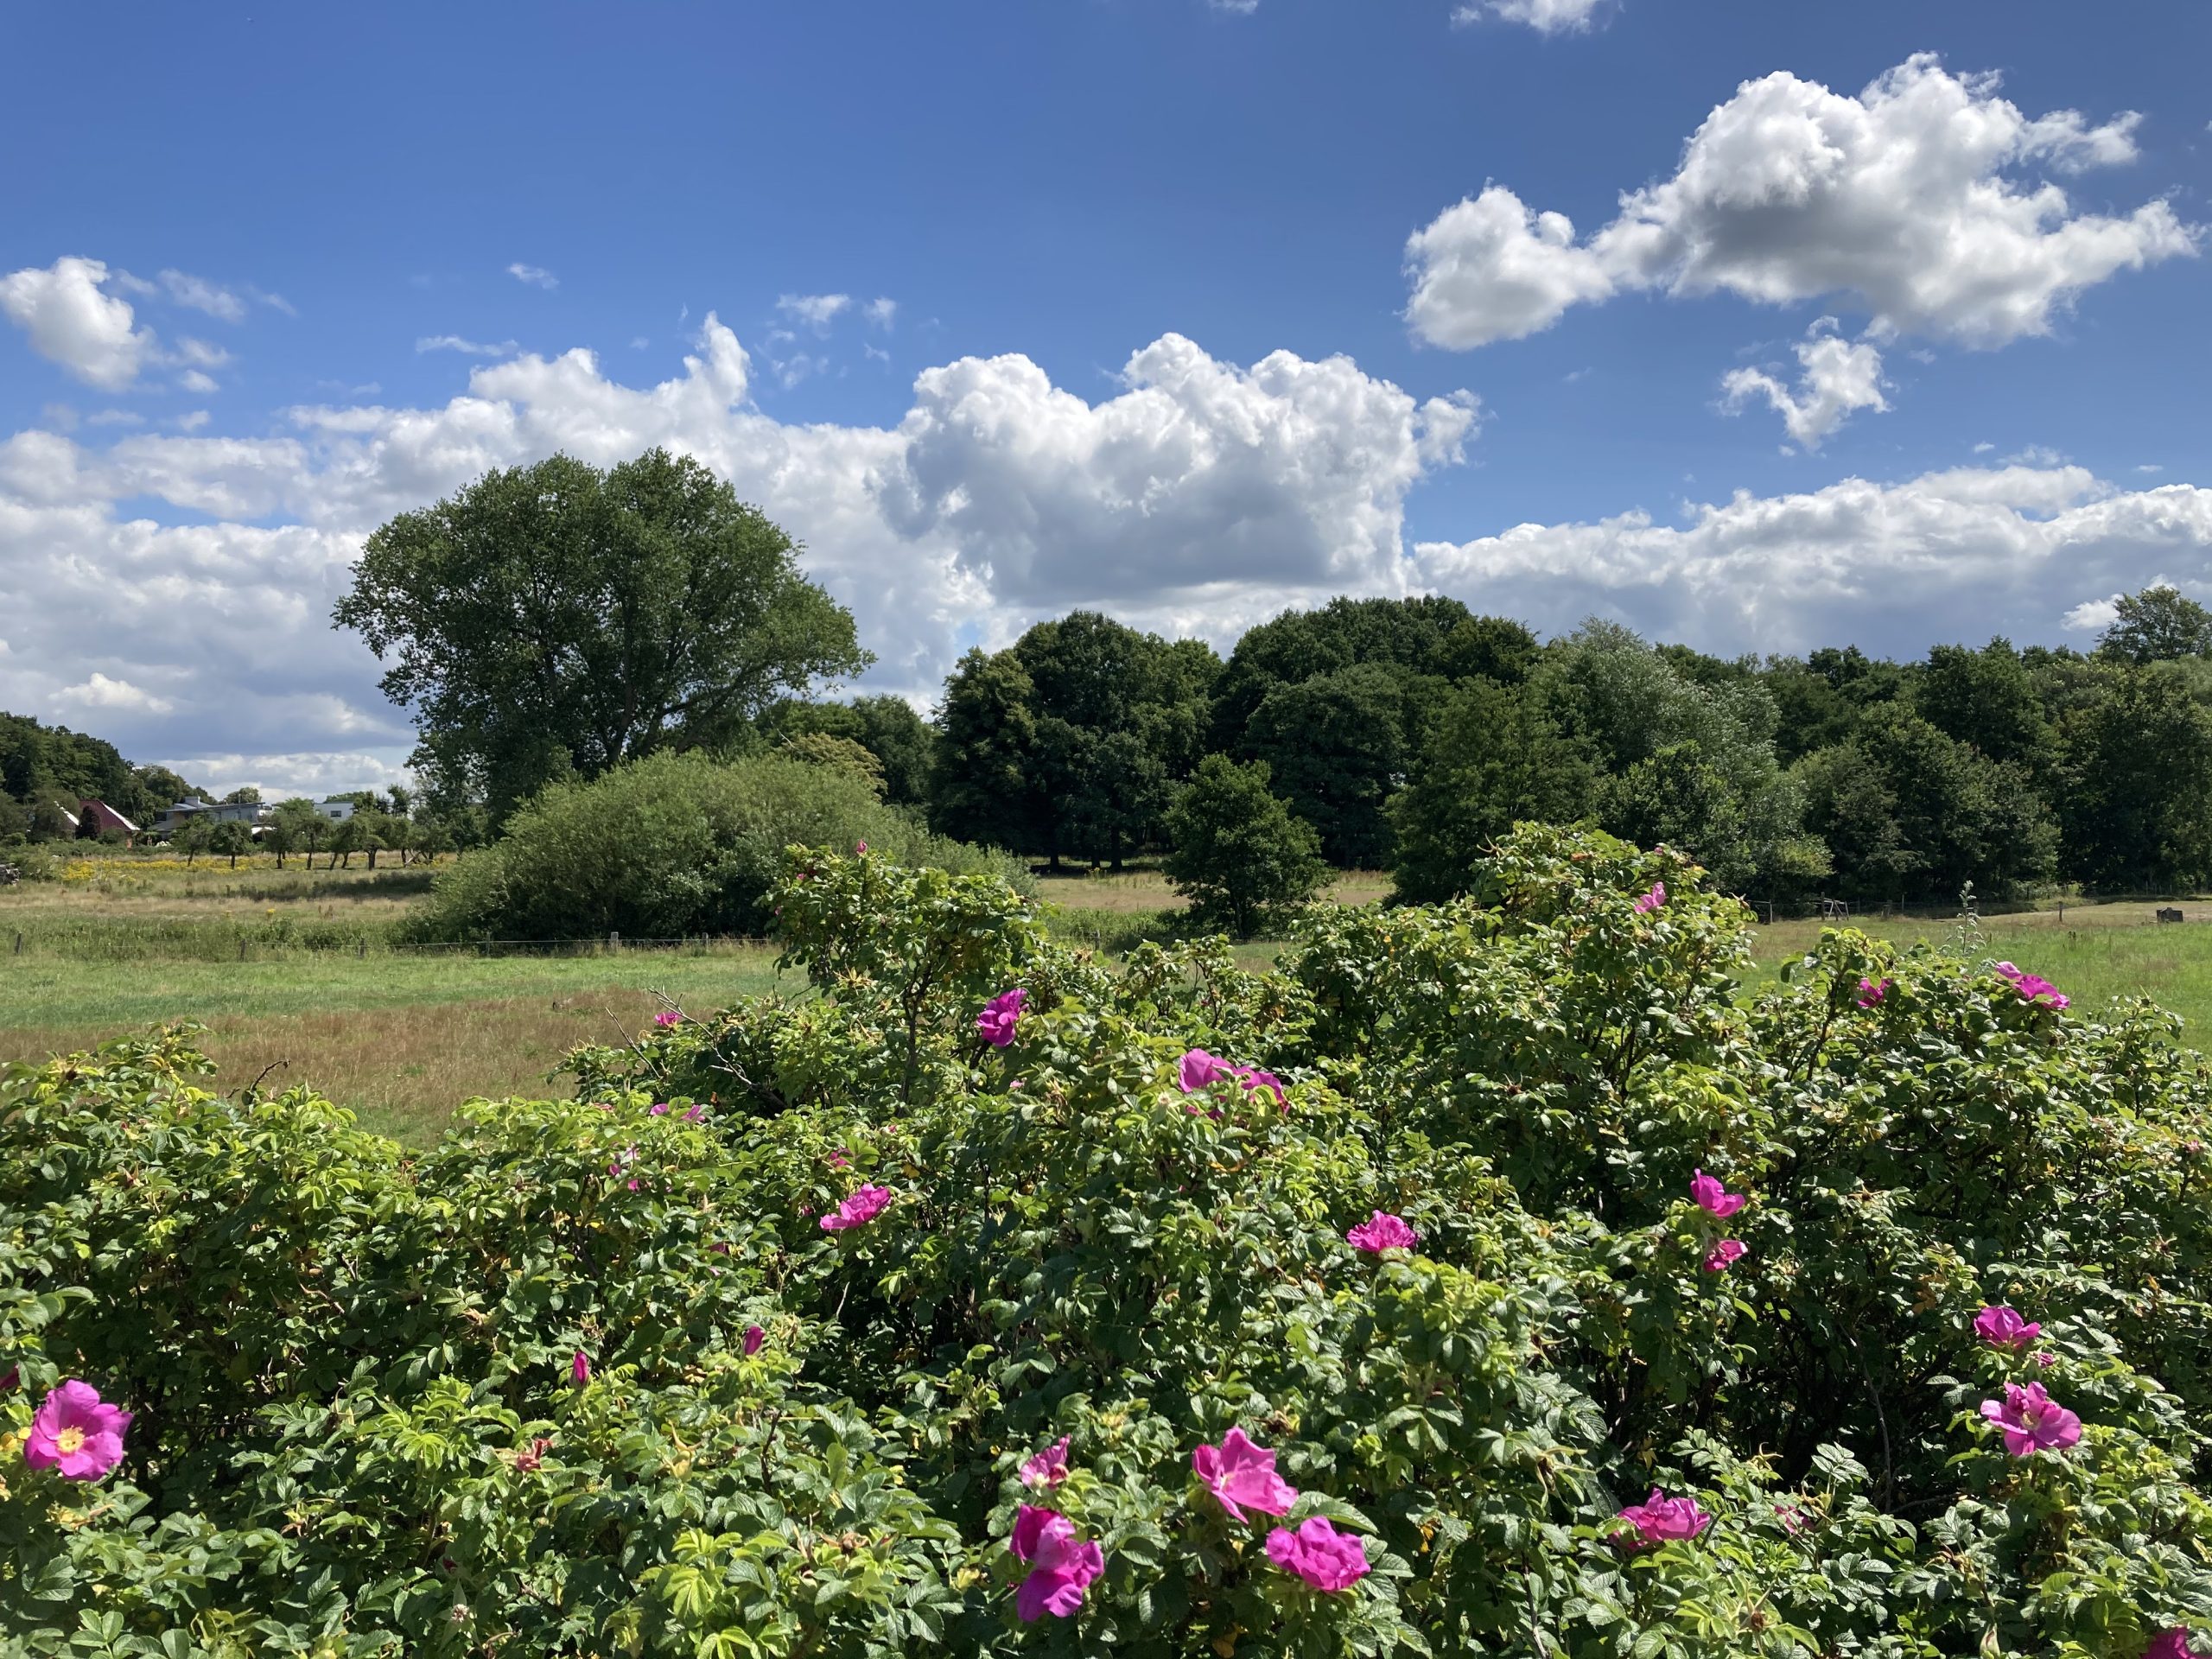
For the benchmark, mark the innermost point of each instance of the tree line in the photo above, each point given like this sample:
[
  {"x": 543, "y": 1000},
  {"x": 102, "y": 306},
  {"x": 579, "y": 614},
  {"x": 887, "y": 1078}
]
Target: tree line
[
  {"x": 1410, "y": 734},
  {"x": 555, "y": 623}
]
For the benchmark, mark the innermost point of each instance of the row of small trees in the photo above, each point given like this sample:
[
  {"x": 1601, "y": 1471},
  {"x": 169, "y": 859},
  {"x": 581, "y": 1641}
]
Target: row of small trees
[{"x": 296, "y": 826}]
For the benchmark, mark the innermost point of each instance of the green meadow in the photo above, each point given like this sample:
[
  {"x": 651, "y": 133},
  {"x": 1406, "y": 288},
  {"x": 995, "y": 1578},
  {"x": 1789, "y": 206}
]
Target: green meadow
[{"x": 299, "y": 977}]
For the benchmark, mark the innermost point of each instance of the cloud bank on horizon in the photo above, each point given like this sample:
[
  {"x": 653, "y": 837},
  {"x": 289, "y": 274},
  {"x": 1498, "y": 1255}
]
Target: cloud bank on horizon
[{"x": 170, "y": 586}]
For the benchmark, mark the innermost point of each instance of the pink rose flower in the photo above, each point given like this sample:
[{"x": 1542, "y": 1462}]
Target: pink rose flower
[
  {"x": 1328, "y": 1560},
  {"x": 1871, "y": 992},
  {"x": 1660, "y": 1518},
  {"x": 1060, "y": 1567},
  {"x": 1651, "y": 901},
  {"x": 2001, "y": 1327},
  {"x": 754, "y": 1336},
  {"x": 1243, "y": 1476},
  {"x": 1001, "y": 1015},
  {"x": 580, "y": 1367},
  {"x": 2171, "y": 1643},
  {"x": 1048, "y": 1467},
  {"x": 666, "y": 1018},
  {"x": 528, "y": 1462},
  {"x": 864, "y": 1205},
  {"x": 1382, "y": 1231},
  {"x": 697, "y": 1115},
  {"x": 1200, "y": 1070},
  {"x": 659, "y": 1110},
  {"x": 74, "y": 1431},
  {"x": 2032, "y": 1420},
  {"x": 1725, "y": 1254},
  {"x": 1712, "y": 1197},
  {"x": 2033, "y": 988}
]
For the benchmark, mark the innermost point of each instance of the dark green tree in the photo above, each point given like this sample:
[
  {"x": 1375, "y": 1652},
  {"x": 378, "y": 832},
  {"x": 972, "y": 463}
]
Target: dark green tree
[
  {"x": 1425, "y": 636},
  {"x": 1336, "y": 747},
  {"x": 984, "y": 784},
  {"x": 1240, "y": 856},
  {"x": 193, "y": 837},
  {"x": 1686, "y": 763},
  {"x": 887, "y": 727},
  {"x": 230, "y": 840},
  {"x": 554, "y": 619},
  {"x": 2136, "y": 808},
  {"x": 1818, "y": 699},
  {"x": 1496, "y": 757},
  {"x": 1988, "y": 698},
  {"x": 2156, "y": 626},
  {"x": 1071, "y": 741},
  {"x": 1911, "y": 814}
]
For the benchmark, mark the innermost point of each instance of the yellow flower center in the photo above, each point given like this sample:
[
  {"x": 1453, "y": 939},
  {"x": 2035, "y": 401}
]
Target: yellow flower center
[{"x": 69, "y": 1439}]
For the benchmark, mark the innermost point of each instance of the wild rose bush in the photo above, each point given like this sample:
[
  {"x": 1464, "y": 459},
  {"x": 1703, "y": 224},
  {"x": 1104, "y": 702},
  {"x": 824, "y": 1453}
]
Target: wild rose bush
[{"x": 1382, "y": 1303}]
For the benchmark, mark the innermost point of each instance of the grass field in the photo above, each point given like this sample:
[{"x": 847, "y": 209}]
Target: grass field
[
  {"x": 299, "y": 979},
  {"x": 2093, "y": 952},
  {"x": 400, "y": 1039}
]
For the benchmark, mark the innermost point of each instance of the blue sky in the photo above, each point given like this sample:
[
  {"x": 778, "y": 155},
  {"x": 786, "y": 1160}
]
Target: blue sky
[{"x": 1155, "y": 342}]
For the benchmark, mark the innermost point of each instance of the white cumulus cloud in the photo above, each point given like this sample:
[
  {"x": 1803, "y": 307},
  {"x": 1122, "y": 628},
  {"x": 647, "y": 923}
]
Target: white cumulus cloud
[
  {"x": 535, "y": 276},
  {"x": 1836, "y": 378},
  {"x": 1907, "y": 200},
  {"x": 1949, "y": 556},
  {"x": 101, "y": 692},
  {"x": 72, "y": 322},
  {"x": 1201, "y": 497}
]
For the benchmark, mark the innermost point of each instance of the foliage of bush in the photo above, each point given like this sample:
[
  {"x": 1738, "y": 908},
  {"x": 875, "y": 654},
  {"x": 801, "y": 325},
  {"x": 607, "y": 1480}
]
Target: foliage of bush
[
  {"x": 508, "y": 1398},
  {"x": 672, "y": 845},
  {"x": 1241, "y": 857}
]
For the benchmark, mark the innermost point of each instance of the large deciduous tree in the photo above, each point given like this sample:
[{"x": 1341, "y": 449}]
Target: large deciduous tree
[
  {"x": 2155, "y": 625},
  {"x": 1240, "y": 856},
  {"x": 556, "y": 620},
  {"x": 2137, "y": 809},
  {"x": 1072, "y": 740}
]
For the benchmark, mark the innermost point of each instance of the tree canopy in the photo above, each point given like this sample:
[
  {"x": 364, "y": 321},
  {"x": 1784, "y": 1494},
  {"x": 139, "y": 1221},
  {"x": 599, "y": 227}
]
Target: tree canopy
[{"x": 554, "y": 620}]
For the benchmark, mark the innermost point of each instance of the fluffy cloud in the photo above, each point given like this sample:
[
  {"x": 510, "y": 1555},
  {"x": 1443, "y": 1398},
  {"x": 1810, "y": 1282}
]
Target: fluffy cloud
[
  {"x": 535, "y": 276},
  {"x": 1545, "y": 16},
  {"x": 1202, "y": 497},
  {"x": 816, "y": 311},
  {"x": 198, "y": 572},
  {"x": 1835, "y": 377},
  {"x": 101, "y": 692},
  {"x": 1902, "y": 200},
  {"x": 1958, "y": 555},
  {"x": 72, "y": 322},
  {"x": 1199, "y": 479}
]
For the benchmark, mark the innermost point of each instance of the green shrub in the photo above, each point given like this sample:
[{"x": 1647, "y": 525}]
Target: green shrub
[
  {"x": 672, "y": 845},
  {"x": 1242, "y": 857},
  {"x": 361, "y": 1430}
]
